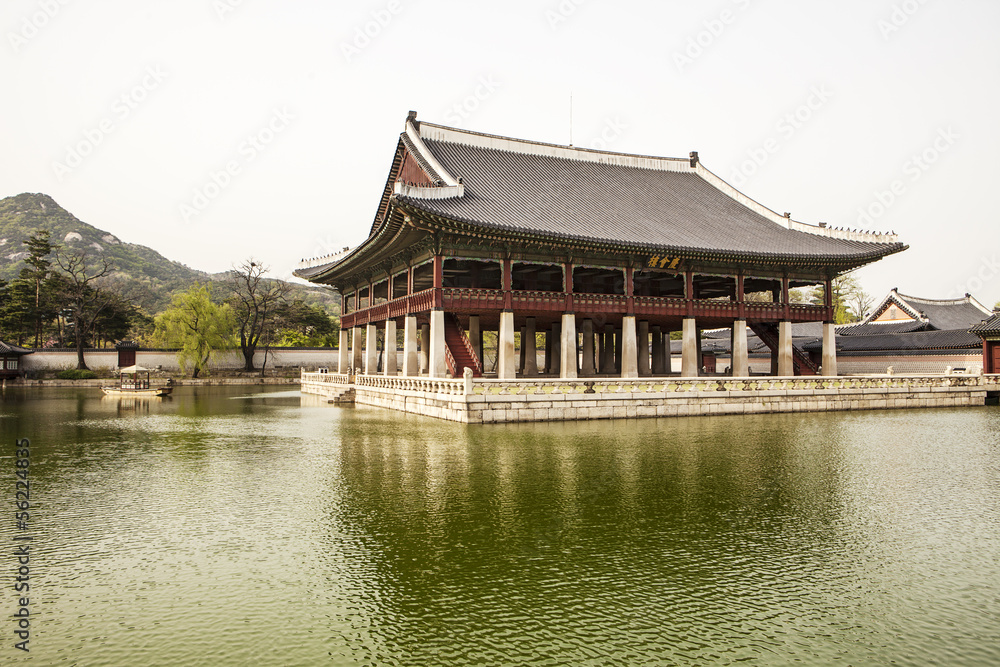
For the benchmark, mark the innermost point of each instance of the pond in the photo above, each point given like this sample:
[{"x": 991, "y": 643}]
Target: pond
[{"x": 252, "y": 525}]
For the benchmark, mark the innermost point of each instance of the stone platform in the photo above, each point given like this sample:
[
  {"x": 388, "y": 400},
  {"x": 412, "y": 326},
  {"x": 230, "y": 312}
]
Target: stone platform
[{"x": 487, "y": 401}]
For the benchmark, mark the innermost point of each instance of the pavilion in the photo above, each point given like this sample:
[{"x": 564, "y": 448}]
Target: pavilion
[{"x": 605, "y": 253}]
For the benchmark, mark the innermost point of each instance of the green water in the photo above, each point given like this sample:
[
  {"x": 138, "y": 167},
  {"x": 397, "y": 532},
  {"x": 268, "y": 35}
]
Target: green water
[{"x": 247, "y": 526}]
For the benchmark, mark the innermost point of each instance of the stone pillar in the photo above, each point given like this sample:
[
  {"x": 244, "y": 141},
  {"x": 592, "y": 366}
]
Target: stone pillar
[
  {"x": 829, "y": 349},
  {"x": 356, "y": 358},
  {"x": 521, "y": 354},
  {"x": 476, "y": 337},
  {"x": 389, "y": 364},
  {"x": 786, "y": 367},
  {"x": 643, "y": 348},
  {"x": 690, "y": 354},
  {"x": 438, "y": 367},
  {"x": 505, "y": 347},
  {"x": 567, "y": 347},
  {"x": 371, "y": 349},
  {"x": 411, "y": 365},
  {"x": 608, "y": 362},
  {"x": 618, "y": 349},
  {"x": 548, "y": 351},
  {"x": 343, "y": 352},
  {"x": 668, "y": 354},
  {"x": 529, "y": 349},
  {"x": 629, "y": 354},
  {"x": 588, "y": 348},
  {"x": 425, "y": 348},
  {"x": 556, "y": 349},
  {"x": 740, "y": 358},
  {"x": 657, "y": 350}
]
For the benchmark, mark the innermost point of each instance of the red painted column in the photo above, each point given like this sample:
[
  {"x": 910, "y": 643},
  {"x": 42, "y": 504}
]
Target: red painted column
[
  {"x": 508, "y": 302},
  {"x": 689, "y": 292},
  {"x": 629, "y": 292},
  {"x": 828, "y": 299},
  {"x": 784, "y": 299},
  {"x": 568, "y": 285},
  {"x": 741, "y": 306},
  {"x": 438, "y": 280}
]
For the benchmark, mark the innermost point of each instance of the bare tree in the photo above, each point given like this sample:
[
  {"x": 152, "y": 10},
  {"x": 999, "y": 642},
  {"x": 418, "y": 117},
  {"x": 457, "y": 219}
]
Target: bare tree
[
  {"x": 83, "y": 290},
  {"x": 255, "y": 301}
]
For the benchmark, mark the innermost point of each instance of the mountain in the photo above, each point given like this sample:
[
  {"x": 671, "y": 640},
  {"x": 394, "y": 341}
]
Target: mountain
[{"x": 150, "y": 277}]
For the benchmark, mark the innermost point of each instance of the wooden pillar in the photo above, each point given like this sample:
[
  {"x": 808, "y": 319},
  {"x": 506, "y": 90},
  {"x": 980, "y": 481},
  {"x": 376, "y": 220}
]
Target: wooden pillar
[
  {"x": 588, "y": 348},
  {"x": 389, "y": 364},
  {"x": 411, "y": 365},
  {"x": 784, "y": 299}
]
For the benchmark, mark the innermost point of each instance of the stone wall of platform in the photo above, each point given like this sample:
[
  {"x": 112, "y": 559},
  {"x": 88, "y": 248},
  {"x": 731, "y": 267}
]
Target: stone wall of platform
[{"x": 493, "y": 401}]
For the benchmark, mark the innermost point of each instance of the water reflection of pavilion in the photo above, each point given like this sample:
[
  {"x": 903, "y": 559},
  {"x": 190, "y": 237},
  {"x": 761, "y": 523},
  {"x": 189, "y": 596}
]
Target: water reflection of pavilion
[{"x": 603, "y": 253}]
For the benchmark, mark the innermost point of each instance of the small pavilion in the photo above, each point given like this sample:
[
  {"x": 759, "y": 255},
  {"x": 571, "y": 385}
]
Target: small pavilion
[
  {"x": 989, "y": 331},
  {"x": 604, "y": 253},
  {"x": 10, "y": 360}
]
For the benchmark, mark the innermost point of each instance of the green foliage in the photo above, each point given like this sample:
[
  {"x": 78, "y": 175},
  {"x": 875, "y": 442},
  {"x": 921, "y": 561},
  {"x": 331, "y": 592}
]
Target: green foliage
[
  {"x": 301, "y": 325},
  {"x": 76, "y": 374},
  {"x": 197, "y": 326}
]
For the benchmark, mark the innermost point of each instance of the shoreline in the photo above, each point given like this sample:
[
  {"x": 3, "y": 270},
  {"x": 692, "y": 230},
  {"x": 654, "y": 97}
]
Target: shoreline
[{"x": 182, "y": 382}]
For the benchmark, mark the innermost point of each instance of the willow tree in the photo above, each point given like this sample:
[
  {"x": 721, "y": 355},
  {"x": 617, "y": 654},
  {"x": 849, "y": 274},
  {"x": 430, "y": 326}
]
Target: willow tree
[{"x": 197, "y": 326}]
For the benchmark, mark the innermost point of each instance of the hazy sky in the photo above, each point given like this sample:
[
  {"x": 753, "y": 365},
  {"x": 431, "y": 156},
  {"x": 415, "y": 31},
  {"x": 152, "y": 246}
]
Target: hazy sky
[{"x": 212, "y": 130}]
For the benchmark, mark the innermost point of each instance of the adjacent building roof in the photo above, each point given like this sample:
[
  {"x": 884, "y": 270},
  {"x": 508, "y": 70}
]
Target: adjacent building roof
[
  {"x": 953, "y": 339},
  {"x": 515, "y": 187},
  {"x": 9, "y": 349},
  {"x": 989, "y": 328},
  {"x": 918, "y": 314}
]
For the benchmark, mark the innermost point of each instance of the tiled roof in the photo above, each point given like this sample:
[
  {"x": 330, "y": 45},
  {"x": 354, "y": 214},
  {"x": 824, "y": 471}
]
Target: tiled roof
[
  {"x": 952, "y": 339},
  {"x": 660, "y": 209},
  {"x": 7, "y": 348},
  {"x": 875, "y": 328},
  {"x": 948, "y": 313},
  {"x": 989, "y": 326}
]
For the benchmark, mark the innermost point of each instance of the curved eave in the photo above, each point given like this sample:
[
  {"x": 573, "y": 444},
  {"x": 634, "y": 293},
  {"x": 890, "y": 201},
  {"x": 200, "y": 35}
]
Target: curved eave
[
  {"x": 390, "y": 237},
  {"x": 869, "y": 253}
]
